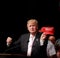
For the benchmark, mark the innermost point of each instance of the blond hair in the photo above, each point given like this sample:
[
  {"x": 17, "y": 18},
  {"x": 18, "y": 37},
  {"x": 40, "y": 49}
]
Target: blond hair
[{"x": 34, "y": 21}]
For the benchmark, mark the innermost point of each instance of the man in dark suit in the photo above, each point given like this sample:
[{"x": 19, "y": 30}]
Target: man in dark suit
[{"x": 34, "y": 43}]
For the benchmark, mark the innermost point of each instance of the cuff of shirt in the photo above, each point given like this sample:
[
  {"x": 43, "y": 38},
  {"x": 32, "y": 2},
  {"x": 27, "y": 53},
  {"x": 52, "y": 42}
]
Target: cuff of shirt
[{"x": 41, "y": 42}]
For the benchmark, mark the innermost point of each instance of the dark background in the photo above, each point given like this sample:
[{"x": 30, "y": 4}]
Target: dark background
[{"x": 14, "y": 14}]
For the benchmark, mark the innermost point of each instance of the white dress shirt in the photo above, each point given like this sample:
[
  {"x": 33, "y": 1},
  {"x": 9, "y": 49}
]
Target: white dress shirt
[{"x": 31, "y": 40}]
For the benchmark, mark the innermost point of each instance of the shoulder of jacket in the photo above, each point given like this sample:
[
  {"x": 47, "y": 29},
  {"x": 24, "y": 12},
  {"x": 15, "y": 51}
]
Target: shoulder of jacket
[{"x": 25, "y": 34}]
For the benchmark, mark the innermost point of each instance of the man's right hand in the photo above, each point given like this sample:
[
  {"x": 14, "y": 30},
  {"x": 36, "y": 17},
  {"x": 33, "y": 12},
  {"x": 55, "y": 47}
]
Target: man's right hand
[{"x": 43, "y": 36}]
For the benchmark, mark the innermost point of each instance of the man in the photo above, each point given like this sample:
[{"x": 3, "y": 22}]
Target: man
[
  {"x": 57, "y": 44},
  {"x": 52, "y": 39},
  {"x": 35, "y": 43}
]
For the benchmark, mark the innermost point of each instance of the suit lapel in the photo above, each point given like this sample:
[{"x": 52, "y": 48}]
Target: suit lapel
[
  {"x": 27, "y": 40},
  {"x": 37, "y": 40}
]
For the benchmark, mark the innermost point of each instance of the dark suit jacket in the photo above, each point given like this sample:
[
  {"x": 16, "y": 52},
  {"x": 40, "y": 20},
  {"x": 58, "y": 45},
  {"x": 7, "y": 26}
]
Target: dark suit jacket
[
  {"x": 22, "y": 45},
  {"x": 37, "y": 50}
]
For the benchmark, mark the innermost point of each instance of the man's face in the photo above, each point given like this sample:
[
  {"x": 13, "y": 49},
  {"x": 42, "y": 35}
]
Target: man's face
[
  {"x": 52, "y": 39},
  {"x": 32, "y": 27}
]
